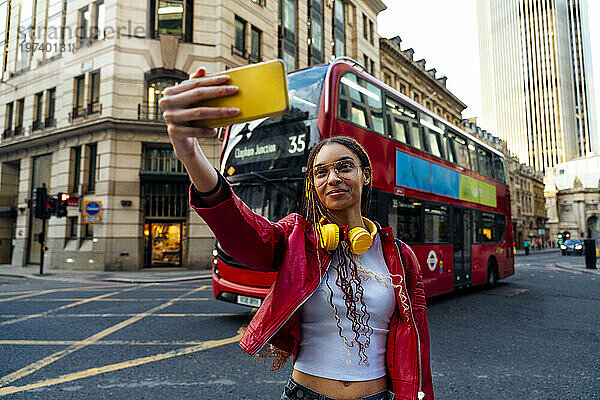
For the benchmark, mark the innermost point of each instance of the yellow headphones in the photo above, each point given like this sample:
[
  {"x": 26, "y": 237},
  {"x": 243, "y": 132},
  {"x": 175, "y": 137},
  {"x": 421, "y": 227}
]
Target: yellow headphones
[{"x": 359, "y": 238}]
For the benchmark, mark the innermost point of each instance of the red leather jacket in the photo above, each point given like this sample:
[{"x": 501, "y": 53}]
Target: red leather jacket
[{"x": 289, "y": 247}]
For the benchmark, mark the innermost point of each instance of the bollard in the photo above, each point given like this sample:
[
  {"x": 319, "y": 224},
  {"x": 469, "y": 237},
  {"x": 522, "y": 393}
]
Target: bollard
[{"x": 590, "y": 253}]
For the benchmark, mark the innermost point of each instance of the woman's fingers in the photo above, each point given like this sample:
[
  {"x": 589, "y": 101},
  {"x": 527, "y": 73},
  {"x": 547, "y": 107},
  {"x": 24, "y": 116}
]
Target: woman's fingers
[
  {"x": 196, "y": 83},
  {"x": 181, "y": 116},
  {"x": 195, "y": 95},
  {"x": 182, "y": 132}
]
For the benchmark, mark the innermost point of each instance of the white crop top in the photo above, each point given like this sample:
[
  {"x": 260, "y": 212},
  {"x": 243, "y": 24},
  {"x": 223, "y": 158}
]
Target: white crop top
[{"x": 322, "y": 352}]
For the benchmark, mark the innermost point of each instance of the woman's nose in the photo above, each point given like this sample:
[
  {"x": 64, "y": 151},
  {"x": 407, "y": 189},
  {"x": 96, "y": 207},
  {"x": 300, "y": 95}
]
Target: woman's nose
[{"x": 333, "y": 178}]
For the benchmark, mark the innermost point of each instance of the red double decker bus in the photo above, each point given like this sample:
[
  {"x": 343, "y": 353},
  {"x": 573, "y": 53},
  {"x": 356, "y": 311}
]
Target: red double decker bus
[{"x": 443, "y": 191}]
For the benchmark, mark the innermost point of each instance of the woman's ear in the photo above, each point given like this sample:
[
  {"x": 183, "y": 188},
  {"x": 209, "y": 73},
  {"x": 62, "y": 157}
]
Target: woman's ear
[{"x": 367, "y": 175}]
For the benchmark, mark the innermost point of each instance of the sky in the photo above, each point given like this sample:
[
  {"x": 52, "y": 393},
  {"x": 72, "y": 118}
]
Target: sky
[{"x": 444, "y": 33}]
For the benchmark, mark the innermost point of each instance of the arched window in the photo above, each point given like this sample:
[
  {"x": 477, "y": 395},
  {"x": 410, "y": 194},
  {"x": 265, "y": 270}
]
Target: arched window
[{"x": 157, "y": 81}]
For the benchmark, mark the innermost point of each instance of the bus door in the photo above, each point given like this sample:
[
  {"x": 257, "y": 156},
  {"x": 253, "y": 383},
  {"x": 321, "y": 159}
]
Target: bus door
[{"x": 462, "y": 246}]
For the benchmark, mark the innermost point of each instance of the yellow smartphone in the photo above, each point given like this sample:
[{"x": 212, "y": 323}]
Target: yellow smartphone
[{"x": 262, "y": 93}]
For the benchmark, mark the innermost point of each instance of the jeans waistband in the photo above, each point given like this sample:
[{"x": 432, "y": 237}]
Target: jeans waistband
[{"x": 295, "y": 391}]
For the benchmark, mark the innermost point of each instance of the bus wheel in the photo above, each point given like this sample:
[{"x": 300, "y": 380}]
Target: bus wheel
[{"x": 492, "y": 274}]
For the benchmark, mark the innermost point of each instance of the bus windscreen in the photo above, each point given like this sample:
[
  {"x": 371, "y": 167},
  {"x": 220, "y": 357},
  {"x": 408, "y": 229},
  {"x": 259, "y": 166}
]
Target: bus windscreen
[{"x": 278, "y": 142}]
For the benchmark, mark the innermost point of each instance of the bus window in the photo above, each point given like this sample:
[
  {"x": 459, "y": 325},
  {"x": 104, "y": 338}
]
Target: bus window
[
  {"x": 359, "y": 116},
  {"x": 486, "y": 227},
  {"x": 473, "y": 155},
  {"x": 399, "y": 116},
  {"x": 451, "y": 150},
  {"x": 398, "y": 129},
  {"x": 360, "y": 103},
  {"x": 415, "y": 137},
  {"x": 485, "y": 162},
  {"x": 499, "y": 173},
  {"x": 460, "y": 148},
  {"x": 501, "y": 223},
  {"x": 435, "y": 224},
  {"x": 434, "y": 130},
  {"x": 405, "y": 219}
]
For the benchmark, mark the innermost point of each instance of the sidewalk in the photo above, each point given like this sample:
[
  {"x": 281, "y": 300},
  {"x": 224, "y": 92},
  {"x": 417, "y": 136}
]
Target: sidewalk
[
  {"x": 150, "y": 275},
  {"x": 521, "y": 252},
  {"x": 577, "y": 263}
]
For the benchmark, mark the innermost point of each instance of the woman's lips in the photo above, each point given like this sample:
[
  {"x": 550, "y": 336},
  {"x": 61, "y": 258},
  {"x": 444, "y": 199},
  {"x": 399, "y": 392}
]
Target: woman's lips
[{"x": 337, "y": 193}]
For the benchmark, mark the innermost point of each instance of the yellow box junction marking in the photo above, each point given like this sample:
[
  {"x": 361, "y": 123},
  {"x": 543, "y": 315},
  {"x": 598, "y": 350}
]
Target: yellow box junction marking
[
  {"x": 64, "y": 307},
  {"x": 209, "y": 344},
  {"x": 35, "y": 366}
]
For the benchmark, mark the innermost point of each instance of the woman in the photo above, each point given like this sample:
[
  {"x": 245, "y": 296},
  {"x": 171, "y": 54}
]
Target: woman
[{"x": 348, "y": 302}]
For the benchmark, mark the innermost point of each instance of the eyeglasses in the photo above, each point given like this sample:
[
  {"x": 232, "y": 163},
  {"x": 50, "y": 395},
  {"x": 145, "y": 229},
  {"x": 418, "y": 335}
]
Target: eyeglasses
[{"x": 344, "y": 169}]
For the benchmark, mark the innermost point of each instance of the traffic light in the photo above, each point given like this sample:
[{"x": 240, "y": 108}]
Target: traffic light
[
  {"x": 567, "y": 235},
  {"x": 39, "y": 202},
  {"x": 62, "y": 202},
  {"x": 560, "y": 235},
  {"x": 50, "y": 206}
]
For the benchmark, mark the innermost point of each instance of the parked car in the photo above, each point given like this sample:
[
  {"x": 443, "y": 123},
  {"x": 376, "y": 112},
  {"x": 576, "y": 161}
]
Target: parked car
[{"x": 572, "y": 246}]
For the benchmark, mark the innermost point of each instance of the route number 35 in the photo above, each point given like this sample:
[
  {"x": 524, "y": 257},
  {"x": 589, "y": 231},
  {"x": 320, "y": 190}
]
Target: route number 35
[{"x": 297, "y": 144}]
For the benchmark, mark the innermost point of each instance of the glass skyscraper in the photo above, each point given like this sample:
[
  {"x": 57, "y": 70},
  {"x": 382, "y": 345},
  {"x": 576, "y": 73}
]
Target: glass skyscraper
[{"x": 536, "y": 78}]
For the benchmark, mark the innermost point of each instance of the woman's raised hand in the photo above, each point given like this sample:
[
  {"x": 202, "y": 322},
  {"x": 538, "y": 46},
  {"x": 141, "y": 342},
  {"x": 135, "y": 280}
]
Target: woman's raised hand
[
  {"x": 177, "y": 105},
  {"x": 177, "y": 109}
]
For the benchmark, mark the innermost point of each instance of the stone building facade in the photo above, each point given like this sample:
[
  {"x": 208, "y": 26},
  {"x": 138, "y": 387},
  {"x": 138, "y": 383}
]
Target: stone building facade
[
  {"x": 400, "y": 71},
  {"x": 79, "y": 109},
  {"x": 573, "y": 198},
  {"x": 528, "y": 205}
]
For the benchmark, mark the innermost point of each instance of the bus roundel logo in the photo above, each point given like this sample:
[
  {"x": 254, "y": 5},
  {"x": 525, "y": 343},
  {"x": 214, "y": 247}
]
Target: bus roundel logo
[
  {"x": 432, "y": 260},
  {"x": 92, "y": 208}
]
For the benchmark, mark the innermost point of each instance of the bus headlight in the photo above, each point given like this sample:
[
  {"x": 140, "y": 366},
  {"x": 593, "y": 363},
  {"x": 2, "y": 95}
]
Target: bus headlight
[
  {"x": 578, "y": 247},
  {"x": 563, "y": 247}
]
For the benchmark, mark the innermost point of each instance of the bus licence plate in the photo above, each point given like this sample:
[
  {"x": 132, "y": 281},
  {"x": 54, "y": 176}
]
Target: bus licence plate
[{"x": 249, "y": 301}]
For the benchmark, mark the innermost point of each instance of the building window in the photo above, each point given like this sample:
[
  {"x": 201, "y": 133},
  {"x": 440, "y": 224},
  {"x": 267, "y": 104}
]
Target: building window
[
  {"x": 83, "y": 26},
  {"x": 239, "y": 46},
  {"x": 339, "y": 37},
  {"x": 19, "y": 120},
  {"x": 76, "y": 169},
  {"x": 99, "y": 20},
  {"x": 72, "y": 227},
  {"x": 4, "y": 34},
  {"x": 162, "y": 161},
  {"x": 38, "y": 106},
  {"x": 259, "y": 2},
  {"x": 368, "y": 64},
  {"x": 255, "y": 45},
  {"x": 89, "y": 231},
  {"x": 79, "y": 96},
  {"x": 91, "y": 170},
  {"x": 288, "y": 42},
  {"x": 173, "y": 17},
  {"x": 55, "y": 36},
  {"x": 8, "y": 120},
  {"x": 315, "y": 48},
  {"x": 371, "y": 39},
  {"x": 51, "y": 101},
  {"x": 365, "y": 27},
  {"x": 26, "y": 22},
  {"x": 156, "y": 90},
  {"x": 94, "y": 105}
]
